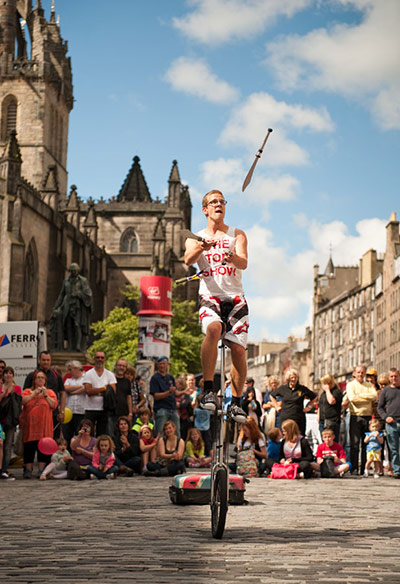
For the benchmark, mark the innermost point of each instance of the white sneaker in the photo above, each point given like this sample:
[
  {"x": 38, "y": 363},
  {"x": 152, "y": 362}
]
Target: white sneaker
[
  {"x": 376, "y": 475},
  {"x": 366, "y": 473}
]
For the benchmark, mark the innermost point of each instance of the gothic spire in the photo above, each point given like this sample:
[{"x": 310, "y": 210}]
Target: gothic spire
[{"x": 135, "y": 187}]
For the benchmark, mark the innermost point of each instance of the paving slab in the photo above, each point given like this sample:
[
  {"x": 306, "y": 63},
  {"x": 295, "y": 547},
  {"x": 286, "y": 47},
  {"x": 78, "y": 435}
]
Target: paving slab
[{"x": 127, "y": 530}]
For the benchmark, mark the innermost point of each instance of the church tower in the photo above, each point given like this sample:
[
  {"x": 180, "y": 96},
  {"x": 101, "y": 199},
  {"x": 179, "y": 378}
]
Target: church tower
[{"x": 35, "y": 93}]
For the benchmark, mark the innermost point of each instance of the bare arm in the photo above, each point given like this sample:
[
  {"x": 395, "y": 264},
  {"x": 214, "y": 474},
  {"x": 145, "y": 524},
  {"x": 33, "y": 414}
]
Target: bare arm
[
  {"x": 194, "y": 249},
  {"x": 239, "y": 257}
]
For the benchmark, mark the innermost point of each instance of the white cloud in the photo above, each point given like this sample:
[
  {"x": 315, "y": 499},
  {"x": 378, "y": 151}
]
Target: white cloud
[
  {"x": 228, "y": 176},
  {"x": 214, "y": 22},
  {"x": 279, "y": 284},
  {"x": 249, "y": 121},
  {"x": 359, "y": 62},
  {"x": 193, "y": 76}
]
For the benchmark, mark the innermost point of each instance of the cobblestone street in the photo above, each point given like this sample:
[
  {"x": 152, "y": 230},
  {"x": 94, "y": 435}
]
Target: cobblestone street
[{"x": 128, "y": 531}]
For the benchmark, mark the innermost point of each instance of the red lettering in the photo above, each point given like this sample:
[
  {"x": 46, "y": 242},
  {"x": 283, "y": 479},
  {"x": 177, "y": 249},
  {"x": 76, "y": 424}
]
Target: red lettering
[
  {"x": 217, "y": 257},
  {"x": 208, "y": 257},
  {"x": 222, "y": 270},
  {"x": 225, "y": 243}
]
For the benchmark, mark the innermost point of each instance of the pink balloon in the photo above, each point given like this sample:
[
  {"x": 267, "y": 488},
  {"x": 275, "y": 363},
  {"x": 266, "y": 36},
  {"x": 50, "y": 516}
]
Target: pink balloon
[{"x": 47, "y": 445}]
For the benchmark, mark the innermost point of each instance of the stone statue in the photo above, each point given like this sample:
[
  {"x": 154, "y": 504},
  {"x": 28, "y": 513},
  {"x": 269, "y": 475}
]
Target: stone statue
[{"x": 70, "y": 319}]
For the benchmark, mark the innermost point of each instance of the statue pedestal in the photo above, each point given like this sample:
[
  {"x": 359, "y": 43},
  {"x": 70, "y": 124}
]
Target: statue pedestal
[{"x": 59, "y": 359}]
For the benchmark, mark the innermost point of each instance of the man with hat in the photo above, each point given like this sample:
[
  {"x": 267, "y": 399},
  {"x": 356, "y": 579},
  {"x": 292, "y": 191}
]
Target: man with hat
[{"x": 163, "y": 390}]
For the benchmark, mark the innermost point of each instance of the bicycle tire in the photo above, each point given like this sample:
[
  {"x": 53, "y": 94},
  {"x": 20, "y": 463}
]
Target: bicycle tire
[{"x": 219, "y": 504}]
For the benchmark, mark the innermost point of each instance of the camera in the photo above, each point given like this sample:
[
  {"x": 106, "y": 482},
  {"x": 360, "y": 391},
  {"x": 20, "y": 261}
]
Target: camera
[{"x": 86, "y": 430}]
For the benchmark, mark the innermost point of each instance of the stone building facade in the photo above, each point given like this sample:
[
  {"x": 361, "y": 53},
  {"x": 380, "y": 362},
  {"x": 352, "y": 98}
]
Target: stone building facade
[
  {"x": 43, "y": 228},
  {"x": 356, "y": 313},
  {"x": 387, "y": 292}
]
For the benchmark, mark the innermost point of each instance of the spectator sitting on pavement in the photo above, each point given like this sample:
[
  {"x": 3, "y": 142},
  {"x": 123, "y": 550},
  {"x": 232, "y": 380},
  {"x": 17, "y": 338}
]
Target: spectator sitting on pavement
[
  {"x": 251, "y": 437},
  {"x": 143, "y": 419},
  {"x": 127, "y": 450},
  {"x": 295, "y": 448},
  {"x": 195, "y": 450},
  {"x": 148, "y": 446},
  {"x": 329, "y": 449},
  {"x": 103, "y": 463},
  {"x": 274, "y": 444},
  {"x": 374, "y": 441},
  {"x": 82, "y": 447},
  {"x": 171, "y": 450},
  {"x": 57, "y": 469}
]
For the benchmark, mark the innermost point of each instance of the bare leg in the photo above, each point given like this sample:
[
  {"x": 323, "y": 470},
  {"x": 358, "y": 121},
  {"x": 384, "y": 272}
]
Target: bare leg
[
  {"x": 145, "y": 459},
  {"x": 153, "y": 454},
  {"x": 209, "y": 350},
  {"x": 238, "y": 369}
]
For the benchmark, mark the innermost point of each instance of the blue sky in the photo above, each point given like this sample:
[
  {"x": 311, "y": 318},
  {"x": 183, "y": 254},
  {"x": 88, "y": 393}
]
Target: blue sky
[{"x": 200, "y": 81}]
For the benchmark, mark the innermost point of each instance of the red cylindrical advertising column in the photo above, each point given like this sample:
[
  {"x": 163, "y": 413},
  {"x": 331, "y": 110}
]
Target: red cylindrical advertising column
[{"x": 154, "y": 317}]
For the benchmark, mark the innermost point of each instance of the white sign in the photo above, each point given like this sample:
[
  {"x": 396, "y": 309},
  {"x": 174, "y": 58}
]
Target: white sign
[{"x": 19, "y": 347}]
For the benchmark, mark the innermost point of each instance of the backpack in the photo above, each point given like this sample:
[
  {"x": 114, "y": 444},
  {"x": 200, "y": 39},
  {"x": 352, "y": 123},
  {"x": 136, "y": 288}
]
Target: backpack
[
  {"x": 246, "y": 464},
  {"x": 327, "y": 467}
]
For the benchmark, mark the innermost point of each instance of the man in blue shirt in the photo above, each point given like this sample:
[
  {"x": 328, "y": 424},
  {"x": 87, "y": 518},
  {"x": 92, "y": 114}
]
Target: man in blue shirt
[{"x": 163, "y": 390}]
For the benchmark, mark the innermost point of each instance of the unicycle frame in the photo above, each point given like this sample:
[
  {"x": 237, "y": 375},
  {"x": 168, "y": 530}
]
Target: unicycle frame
[{"x": 220, "y": 454}]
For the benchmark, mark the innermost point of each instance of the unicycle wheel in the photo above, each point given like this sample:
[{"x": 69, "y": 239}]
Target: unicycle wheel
[{"x": 219, "y": 504}]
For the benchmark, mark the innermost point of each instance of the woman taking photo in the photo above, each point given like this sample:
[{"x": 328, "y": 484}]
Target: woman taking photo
[{"x": 37, "y": 421}]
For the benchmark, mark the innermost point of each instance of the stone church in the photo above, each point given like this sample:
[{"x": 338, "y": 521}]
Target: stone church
[{"x": 44, "y": 226}]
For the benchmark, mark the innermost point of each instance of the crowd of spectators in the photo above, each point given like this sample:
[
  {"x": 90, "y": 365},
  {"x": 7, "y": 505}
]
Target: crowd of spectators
[{"x": 103, "y": 423}]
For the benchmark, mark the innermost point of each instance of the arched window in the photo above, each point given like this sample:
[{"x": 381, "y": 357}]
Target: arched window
[
  {"x": 8, "y": 116},
  {"x": 129, "y": 242},
  {"x": 30, "y": 281}
]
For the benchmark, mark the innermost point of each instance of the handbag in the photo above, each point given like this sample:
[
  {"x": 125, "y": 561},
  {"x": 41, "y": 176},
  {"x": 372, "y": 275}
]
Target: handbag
[
  {"x": 19, "y": 442},
  {"x": 246, "y": 463},
  {"x": 110, "y": 400},
  {"x": 284, "y": 471}
]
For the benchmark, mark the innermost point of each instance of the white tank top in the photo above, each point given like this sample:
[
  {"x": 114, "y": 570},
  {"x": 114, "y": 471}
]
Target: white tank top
[{"x": 218, "y": 280}]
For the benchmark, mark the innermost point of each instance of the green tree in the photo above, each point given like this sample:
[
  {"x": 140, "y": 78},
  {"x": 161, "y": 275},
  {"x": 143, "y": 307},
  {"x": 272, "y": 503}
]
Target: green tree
[{"x": 117, "y": 334}]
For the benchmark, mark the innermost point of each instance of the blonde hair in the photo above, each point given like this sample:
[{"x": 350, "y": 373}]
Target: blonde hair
[
  {"x": 292, "y": 430},
  {"x": 328, "y": 380},
  {"x": 290, "y": 372},
  {"x": 105, "y": 438},
  {"x": 204, "y": 200}
]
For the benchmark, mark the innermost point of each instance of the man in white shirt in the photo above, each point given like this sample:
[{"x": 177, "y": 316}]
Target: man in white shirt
[{"x": 96, "y": 381}]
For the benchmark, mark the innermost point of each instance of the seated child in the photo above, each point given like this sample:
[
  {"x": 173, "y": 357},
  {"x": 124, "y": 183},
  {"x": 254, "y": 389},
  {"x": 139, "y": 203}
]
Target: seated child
[
  {"x": 195, "y": 450},
  {"x": 148, "y": 446},
  {"x": 274, "y": 443},
  {"x": 333, "y": 452},
  {"x": 57, "y": 468},
  {"x": 103, "y": 463},
  {"x": 374, "y": 440},
  {"x": 143, "y": 419}
]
